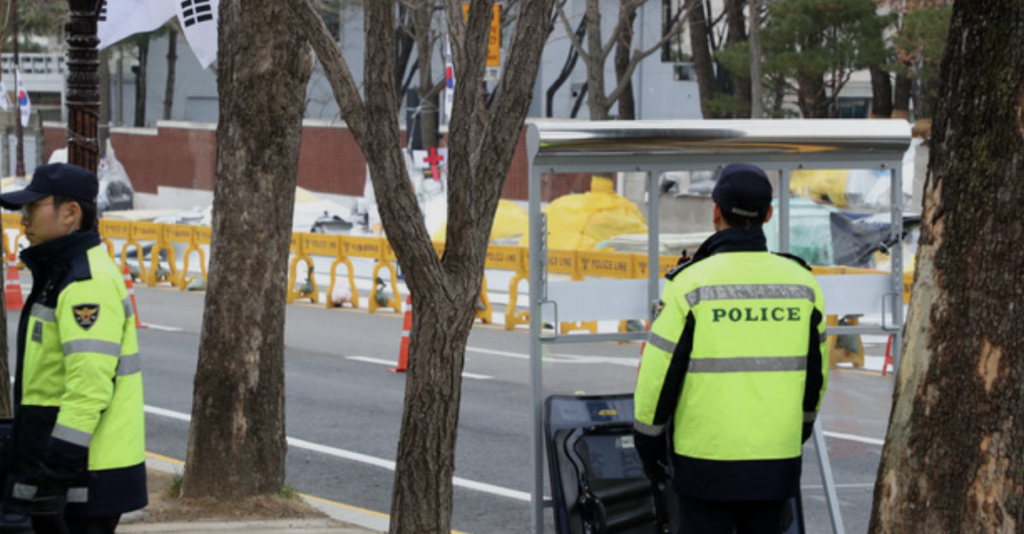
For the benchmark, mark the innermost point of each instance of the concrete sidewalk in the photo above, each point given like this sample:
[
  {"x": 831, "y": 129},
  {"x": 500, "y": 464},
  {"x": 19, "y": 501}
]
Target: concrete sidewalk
[{"x": 341, "y": 518}]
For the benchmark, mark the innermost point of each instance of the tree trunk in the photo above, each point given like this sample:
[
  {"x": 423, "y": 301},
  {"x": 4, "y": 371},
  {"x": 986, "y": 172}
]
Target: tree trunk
[
  {"x": 172, "y": 65},
  {"x": 421, "y": 18},
  {"x": 700, "y": 45},
  {"x": 404, "y": 49},
  {"x": 881, "y": 93},
  {"x": 140, "y": 82},
  {"x": 737, "y": 34},
  {"x": 901, "y": 97},
  {"x": 756, "y": 72},
  {"x": 952, "y": 461},
  {"x": 623, "y": 48},
  {"x": 237, "y": 443},
  {"x": 597, "y": 104}
]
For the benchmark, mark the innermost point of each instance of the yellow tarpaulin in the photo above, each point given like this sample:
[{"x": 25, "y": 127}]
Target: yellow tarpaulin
[
  {"x": 820, "y": 185},
  {"x": 581, "y": 221},
  {"x": 510, "y": 220}
]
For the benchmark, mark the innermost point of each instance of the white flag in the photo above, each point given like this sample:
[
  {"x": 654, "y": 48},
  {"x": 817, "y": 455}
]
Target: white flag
[
  {"x": 121, "y": 18},
  {"x": 5, "y": 103},
  {"x": 23, "y": 100},
  {"x": 198, "y": 19}
]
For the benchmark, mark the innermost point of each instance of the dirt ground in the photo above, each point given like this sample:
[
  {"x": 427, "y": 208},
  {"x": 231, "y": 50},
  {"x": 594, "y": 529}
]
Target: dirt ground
[{"x": 164, "y": 507}]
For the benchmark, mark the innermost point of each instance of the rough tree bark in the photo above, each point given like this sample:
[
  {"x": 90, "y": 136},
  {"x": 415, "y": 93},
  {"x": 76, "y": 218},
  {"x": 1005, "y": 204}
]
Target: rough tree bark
[
  {"x": 236, "y": 445},
  {"x": 881, "y": 93},
  {"x": 737, "y": 33},
  {"x": 623, "y": 48},
  {"x": 700, "y": 45},
  {"x": 901, "y": 97},
  {"x": 952, "y": 461},
  {"x": 421, "y": 15},
  {"x": 444, "y": 290},
  {"x": 172, "y": 66}
]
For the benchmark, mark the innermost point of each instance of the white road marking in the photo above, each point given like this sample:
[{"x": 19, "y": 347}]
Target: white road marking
[
  {"x": 561, "y": 358},
  {"x": 389, "y": 363},
  {"x": 365, "y": 459},
  {"x": 163, "y": 328},
  {"x": 854, "y": 437}
]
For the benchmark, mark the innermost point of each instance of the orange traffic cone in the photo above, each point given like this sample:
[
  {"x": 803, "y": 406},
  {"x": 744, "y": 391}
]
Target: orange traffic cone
[
  {"x": 12, "y": 293},
  {"x": 131, "y": 293},
  {"x": 403, "y": 353},
  {"x": 888, "y": 357}
]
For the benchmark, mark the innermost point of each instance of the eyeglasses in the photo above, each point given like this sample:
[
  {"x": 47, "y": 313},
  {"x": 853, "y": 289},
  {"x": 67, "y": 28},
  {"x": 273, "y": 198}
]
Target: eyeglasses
[{"x": 27, "y": 209}]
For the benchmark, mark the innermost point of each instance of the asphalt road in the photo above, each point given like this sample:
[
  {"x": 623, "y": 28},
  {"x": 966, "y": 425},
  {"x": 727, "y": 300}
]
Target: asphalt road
[{"x": 344, "y": 410}]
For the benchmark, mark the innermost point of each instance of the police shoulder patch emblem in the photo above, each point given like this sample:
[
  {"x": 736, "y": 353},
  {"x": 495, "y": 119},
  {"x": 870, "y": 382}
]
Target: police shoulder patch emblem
[{"x": 86, "y": 315}]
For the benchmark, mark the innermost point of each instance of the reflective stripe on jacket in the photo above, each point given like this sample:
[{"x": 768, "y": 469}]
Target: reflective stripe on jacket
[
  {"x": 736, "y": 360},
  {"x": 78, "y": 390}
]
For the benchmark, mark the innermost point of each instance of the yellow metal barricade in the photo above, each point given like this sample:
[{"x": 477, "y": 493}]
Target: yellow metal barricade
[
  {"x": 509, "y": 258},
  {"x": 387, "y": 261},
  {"x": 330, "y": 246},
  {"x": 145, "y": 232},
  {"x": 195, "y": 247},
  {"x": 309, "y": 288},
  {"x": 169, "y": 234},
  {"x": 372, "y": 248},
  {"x": 12, "y": 221}
]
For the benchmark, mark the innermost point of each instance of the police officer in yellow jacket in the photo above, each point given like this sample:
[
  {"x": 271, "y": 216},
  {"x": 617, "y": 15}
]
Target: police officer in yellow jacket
[
  {"x": 75, "y": 456},
  {"x": 737, "y": 363}
]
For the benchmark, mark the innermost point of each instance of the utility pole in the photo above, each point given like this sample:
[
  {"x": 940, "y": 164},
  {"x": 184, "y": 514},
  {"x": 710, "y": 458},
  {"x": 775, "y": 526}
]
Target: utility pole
[
  {"x": 83, "y": 95},
  {"x": 756, "y": 102},
  {"x": 19, "y": 162}
]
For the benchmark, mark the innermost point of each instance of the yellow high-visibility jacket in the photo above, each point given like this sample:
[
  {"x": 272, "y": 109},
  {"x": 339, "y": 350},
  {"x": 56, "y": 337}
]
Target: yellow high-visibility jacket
[
  {"x": 78, "y": 384},
  {"x": 737, "y": 362}
]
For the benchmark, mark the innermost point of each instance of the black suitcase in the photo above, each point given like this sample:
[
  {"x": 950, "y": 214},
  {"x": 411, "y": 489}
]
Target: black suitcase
[{"x": 597, "y": 481}]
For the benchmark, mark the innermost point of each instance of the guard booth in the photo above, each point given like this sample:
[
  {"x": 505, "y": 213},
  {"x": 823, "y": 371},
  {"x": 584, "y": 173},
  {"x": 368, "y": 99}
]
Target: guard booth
[{"x": 658, "y": 147}]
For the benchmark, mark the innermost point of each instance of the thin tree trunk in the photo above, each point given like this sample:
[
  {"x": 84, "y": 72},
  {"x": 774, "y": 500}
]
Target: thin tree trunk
[
  {"x": 597, "y": 105},
  {"x": 756, "y": 75},
  {"x": 901, "y": 97},
  {"x": 420, "y": 19},
  {"x": 172, "y": 65},
  {"x": 140, "y": 82},
  {"x": 700, "y": 45},
  {"x": 951, "y": 461},
  {"x": 623, "y": 48},
  {"x": 737, "y": 34},
  {"x": 237, "y": 443},
  {"x": 881, "y": 93}
]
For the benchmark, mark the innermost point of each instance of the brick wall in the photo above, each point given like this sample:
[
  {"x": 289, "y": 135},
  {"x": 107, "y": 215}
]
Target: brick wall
[{"x": 330, "y": 161}]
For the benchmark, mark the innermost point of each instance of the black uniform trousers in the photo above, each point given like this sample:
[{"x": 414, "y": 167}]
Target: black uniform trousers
[{"x": 730, "y": 517}]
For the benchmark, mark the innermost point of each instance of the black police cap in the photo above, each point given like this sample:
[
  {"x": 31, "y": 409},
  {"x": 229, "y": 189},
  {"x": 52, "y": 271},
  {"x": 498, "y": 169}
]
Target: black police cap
[
  {"x": 743, "y": 190},
  {"x": 55, "y": 179}
]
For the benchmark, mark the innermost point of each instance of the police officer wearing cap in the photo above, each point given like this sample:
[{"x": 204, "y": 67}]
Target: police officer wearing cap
[
  {"x": 735, "y": 367},
  {"x": 74, "y": 459}
]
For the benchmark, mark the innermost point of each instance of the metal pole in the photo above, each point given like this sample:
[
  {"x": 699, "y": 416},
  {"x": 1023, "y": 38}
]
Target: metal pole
[
  {"x": 19, "y": 166},
  {"x": 83, "y": 83},
  {"x": 537, "y": 264},
  {"x": 826, "y": 480},
  {"x": 120, "y": 86}
]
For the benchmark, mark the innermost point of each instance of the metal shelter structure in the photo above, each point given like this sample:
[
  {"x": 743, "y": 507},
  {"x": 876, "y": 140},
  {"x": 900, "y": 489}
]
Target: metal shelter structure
[{"x": 656, "y": 147}]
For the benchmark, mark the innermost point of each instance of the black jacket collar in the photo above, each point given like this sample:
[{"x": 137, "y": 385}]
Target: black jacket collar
[
  {"x": 733, "y": 240},
  {"x": 42, "y": 259}
]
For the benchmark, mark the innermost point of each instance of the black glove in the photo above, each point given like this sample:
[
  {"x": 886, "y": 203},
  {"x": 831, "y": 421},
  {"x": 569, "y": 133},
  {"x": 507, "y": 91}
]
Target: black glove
[
  {"x": 5, "y": 457},
  {"x": 46, "y": 508},
  {"x": 653, "y": 451},
  {"x": 808, "y": 431}
]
